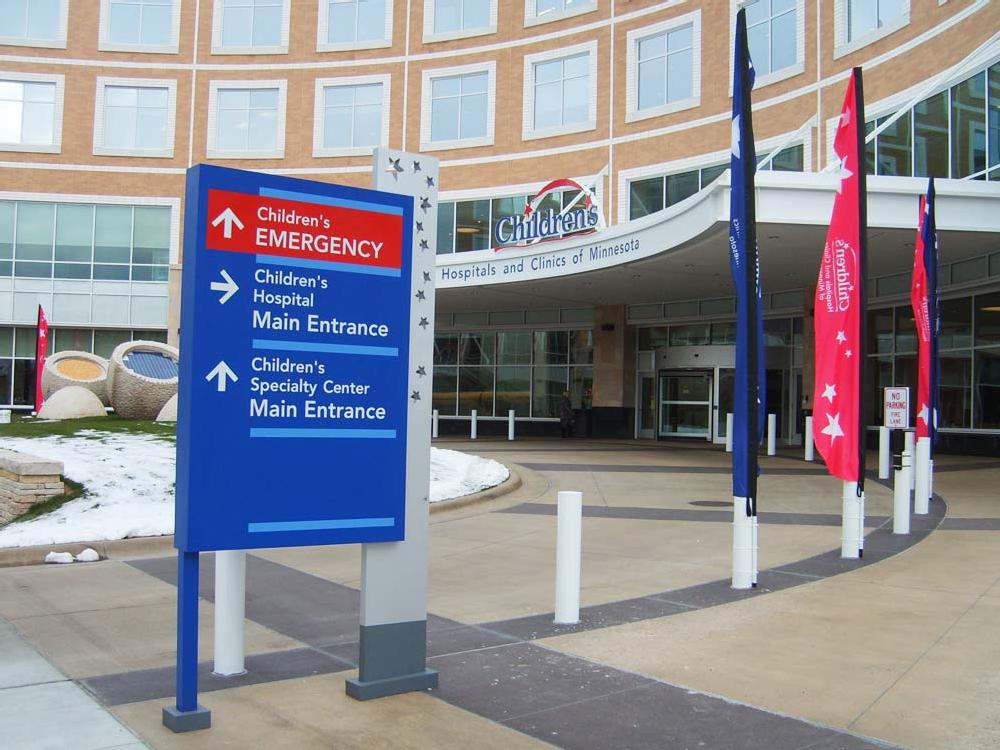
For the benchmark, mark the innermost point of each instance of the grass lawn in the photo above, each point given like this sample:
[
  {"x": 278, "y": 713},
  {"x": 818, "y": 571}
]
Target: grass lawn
[{"x": 24, "y": 426}]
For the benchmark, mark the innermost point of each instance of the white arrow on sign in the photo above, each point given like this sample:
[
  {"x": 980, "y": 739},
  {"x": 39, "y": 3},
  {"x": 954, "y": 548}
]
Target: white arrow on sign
[
  {"x": 227, "y": 218},
  {"x": 222, "y": 371},
  {"x": 228, "y": 286}
]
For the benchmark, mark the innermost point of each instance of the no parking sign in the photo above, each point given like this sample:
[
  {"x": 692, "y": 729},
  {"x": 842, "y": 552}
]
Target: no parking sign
[{"x": 897, "y": 408}]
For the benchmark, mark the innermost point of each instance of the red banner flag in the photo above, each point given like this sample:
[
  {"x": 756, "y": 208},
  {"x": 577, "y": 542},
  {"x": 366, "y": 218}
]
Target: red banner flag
[
  {"x": 839, "y": 305},
  {"x": 41, "y": 352},
  {"x": 921, "y": 317}
]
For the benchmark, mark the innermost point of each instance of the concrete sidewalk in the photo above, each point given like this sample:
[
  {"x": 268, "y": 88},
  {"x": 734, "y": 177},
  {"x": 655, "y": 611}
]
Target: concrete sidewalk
[{"x": 899, "y": 648}]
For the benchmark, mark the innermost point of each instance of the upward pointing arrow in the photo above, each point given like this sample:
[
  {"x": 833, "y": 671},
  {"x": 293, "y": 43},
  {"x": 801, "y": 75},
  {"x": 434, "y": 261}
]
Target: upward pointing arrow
[
  {"x": 228, "y": 286},
  {"x": 227, "y": 218},
  {"x": 222, "y": 371}
]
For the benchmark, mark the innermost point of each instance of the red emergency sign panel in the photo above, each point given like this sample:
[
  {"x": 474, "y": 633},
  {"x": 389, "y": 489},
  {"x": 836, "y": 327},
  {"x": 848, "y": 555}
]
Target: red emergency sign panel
[{"x": 261, "y": 225}]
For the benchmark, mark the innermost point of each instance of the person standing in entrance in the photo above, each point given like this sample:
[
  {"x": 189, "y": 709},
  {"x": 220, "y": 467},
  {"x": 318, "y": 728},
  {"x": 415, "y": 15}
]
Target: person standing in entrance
[{"x": 566, "y": 415}]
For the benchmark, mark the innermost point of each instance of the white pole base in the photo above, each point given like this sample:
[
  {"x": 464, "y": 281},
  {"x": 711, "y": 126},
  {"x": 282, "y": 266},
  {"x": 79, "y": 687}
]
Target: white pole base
[
  {"x": 772, "y": 434},
  {"x": 901, "y": 499},
  {"x": 810, "y": 445},
  {"x": 922, "y": 477},
  {"x": 743, "y": 544},
  {"x": 729, "y": 432},
  {"x": 230, "y": 611},
  {"x": 884, "y": 456},
  {"x": 569, "y": 528},
  {"x": 850, "y": 541}
]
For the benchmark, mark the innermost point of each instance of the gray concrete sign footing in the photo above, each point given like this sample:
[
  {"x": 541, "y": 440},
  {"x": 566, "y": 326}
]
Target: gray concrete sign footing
[
  {"x": 392, "y": 659},
  {"x": 186, "y": 721}
]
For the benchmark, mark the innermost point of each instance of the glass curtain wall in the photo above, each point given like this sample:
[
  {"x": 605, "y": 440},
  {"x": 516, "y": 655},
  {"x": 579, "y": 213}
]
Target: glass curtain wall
[
  {"x": 527, "y": 371},
  {"x": 969, "y": 347}
]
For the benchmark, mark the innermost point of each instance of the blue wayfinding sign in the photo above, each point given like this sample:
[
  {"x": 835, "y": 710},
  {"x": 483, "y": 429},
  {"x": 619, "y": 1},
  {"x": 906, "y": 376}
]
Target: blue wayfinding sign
[{"x": 295, "y": 325}]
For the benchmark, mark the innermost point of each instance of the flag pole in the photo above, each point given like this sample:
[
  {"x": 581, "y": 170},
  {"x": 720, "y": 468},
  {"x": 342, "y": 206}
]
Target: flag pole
[{"x": 862, "y": 280}]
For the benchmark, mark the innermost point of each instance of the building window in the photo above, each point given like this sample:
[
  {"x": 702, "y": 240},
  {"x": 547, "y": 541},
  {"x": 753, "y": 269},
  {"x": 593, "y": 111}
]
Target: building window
[
  {"x": 134, "y": 120},
  {"x": 246, "y": 121},
  {"x": 140, "y": 25},
  {"x": 544, "y": 11},
  {"x": 652, "y": 194},
  {"x": 31, "y": 112},
  {"x": 860, "y": 22},
  {"x": 524, "y": 370},
  {"x": 458, "y": 107},
  {"x": 104, "y": 242},
  {"x": 34, "y": 23},
  {"x": 664, "y": 67},
  {"x": 250, "y": 27},
  {"x": 456, "y": 19},
  {"x": 773, "y": 36},
  {"x": 354, "y": 24},
  {"x": 953, "y": 133},
  {"x": 352, "y": 115},
  {"x": 560, "y": 94}
]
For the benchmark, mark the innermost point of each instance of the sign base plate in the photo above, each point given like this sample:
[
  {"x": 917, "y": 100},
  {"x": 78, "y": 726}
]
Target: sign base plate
[
  {"x": 186, "y": 721},
  {"x": 364, "y": 691}
]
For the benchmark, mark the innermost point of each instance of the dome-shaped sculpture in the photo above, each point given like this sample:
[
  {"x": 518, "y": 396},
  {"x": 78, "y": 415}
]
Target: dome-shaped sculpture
[
  {"x": 72, "y": 402},
  {"x": 76, "y": 368},
  {"x": 141, "y": 378}
]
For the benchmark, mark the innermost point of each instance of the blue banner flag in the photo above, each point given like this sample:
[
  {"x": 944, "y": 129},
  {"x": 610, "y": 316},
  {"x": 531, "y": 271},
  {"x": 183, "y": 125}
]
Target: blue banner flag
[{"x": 749, "y": 408}]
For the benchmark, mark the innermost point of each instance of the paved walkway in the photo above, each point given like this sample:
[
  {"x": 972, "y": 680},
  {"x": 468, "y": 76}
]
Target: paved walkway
[{"x": 899, "y": 648}]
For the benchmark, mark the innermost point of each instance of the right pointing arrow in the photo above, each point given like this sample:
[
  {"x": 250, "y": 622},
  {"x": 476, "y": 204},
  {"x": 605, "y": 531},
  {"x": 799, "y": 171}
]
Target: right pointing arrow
[
  {"x": 222, "y": 371},
  {"x": 228, "y": 286},
  {"x": 227, "y": 218}
]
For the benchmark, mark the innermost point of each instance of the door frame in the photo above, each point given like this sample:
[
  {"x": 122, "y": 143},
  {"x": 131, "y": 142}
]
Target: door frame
[{"x": 708, "y": 372}]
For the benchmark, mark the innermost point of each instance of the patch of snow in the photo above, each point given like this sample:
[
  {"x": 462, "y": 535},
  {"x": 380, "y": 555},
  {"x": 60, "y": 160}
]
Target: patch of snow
[
  {"x": 88, "y": 555},
  {"x": 60, "y": 558},
  {"x": 129, "y": 482},
  {"x": 454, "y": 474}
]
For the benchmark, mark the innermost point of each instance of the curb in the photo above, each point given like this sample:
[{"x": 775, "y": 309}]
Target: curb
[{"x": 151, "y": 546}]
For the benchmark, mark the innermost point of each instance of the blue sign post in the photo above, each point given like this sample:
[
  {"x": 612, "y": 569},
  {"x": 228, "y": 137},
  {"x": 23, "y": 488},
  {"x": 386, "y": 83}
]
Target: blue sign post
[{"x": 293, "y": 408}]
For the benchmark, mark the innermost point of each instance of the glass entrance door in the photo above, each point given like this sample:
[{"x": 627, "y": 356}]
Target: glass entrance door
[
  {"x": 686, "y": 404},
  {"x": 646, "y": 427}
]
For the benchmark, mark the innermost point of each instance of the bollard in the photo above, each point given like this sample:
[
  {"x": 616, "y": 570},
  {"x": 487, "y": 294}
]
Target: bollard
[
  {"x": 901, "y": 497},
  {"x": 909, "y": 445},
  {"x": 772, "y": 434},
  {"x": 884, "y": 455},
  {"x": 230, "y": 611},
  {"x": 434, "y": 424},
  {"x": 569, "y": 528},
  {"x": 850, "y": 539},
  {"x": 510, "y": 424},
  {"x": 810, "y": 445},
  {"x": 729, "y": 432},
  {"x": 474, "y": 426},
  {"x": 922, "y": 473}
]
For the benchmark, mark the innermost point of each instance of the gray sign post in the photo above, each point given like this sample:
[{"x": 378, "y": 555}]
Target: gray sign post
[{"x": 393, "y": 639}]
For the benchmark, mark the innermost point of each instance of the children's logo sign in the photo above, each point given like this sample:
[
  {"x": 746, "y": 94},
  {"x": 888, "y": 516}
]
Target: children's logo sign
[{"x": 897, "y": 408}]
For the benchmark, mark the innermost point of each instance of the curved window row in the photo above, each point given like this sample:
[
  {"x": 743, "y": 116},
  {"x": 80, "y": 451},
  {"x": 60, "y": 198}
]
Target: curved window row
[{"x": 954, "y": 133}]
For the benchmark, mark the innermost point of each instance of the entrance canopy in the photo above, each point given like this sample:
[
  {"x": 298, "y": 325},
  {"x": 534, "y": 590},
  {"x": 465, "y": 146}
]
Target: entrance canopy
[{"x": 682, "y": 252}]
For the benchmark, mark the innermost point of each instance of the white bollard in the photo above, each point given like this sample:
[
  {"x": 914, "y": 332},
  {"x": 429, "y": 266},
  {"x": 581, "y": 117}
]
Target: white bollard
[
  {"x": 810, "y": 445},
  {"x": 754, "y": 526},
  {"x": 743, "y": 572},
  {"x": 474, "y": 425},
  {"x": 884, "y": 455},
  {"x": 230, "y": 612},
  {"x": 901, "y": 497},
  {"x": 850, "y": 542},
  {"x": 510, "y": 424},
  {"x": 569, "y": 528},
  {"x": 772, "y": 434},
  {"x": 908, "y": 445},
  {"x": 434, "y": 424},
  {"x": 930, "y": 480},
  {"x": 729, "y": 432},
  {"x": 922, "y": 474}
]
